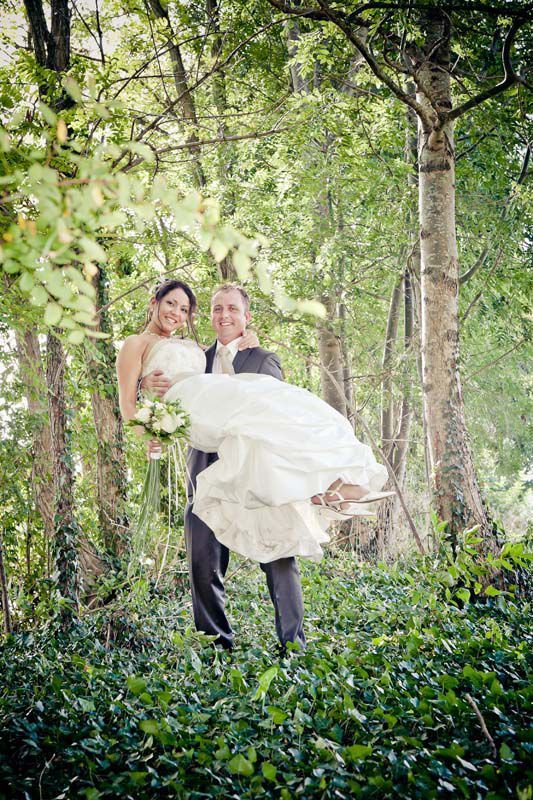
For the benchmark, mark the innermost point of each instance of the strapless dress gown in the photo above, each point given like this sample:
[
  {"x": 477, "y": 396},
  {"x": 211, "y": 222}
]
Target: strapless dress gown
[{"x": 277, "y": 444}]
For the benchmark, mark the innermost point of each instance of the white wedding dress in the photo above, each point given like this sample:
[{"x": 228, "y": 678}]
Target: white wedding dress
[{"x": 278, "y": 445}]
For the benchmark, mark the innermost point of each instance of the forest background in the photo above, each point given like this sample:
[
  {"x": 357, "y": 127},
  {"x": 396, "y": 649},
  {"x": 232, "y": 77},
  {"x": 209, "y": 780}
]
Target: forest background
[
  {"x": 119, "y": 118},
  {"x": 361, "y": 169}
]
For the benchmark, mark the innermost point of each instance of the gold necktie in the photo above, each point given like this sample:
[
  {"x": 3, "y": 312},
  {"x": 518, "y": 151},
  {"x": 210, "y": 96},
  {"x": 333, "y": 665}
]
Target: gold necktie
[{"x": 225, "y": 361}]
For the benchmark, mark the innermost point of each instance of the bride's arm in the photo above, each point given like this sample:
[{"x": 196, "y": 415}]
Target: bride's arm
[{"x": 129, "y": 365}]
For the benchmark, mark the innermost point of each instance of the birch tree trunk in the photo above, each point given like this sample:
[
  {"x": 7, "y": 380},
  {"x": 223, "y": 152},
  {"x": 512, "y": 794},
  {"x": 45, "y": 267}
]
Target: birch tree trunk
[{"x": 456, "y": 492}]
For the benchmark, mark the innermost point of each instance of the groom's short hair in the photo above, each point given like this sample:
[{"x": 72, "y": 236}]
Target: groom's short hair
[{"x": 229, "y": 287}]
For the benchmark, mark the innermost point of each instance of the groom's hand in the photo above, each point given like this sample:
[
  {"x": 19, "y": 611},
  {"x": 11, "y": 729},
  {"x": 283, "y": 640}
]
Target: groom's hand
[
  {"x": 156, "y": 383},
  {"x": 249, "y": 340}
]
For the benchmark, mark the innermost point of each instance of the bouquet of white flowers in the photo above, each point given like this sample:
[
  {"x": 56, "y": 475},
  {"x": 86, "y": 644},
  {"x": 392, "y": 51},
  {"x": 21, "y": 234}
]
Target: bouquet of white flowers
[{"x": 168, "y": 423}]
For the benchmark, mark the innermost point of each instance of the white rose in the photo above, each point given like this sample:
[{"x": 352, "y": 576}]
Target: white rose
[
  {"x": 143, "y": 415},
  {"x": 156, "y": 426},
  {"x": 169, "y": 423}
]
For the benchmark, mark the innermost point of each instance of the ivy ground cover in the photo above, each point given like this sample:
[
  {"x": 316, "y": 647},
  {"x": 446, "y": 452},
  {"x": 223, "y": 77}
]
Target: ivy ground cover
[{"x": 399, "y": 694}]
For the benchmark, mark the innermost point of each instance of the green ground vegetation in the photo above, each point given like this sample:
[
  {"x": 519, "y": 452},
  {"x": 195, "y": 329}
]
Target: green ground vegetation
[{"x": 133, "y": 703}]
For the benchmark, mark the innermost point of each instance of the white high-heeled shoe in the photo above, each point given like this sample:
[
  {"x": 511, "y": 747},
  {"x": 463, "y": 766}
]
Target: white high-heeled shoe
[{"x": 353, "y": 508}]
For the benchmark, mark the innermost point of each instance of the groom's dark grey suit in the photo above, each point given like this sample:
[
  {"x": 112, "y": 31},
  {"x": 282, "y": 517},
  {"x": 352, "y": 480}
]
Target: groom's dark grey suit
[{"x": 208, "y": 559}]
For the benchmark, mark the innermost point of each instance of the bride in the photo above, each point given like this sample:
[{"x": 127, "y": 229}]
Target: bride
[{"x": 287, "y": 463}]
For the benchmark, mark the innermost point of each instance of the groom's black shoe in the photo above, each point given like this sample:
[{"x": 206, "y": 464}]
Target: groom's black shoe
[{"x": 223, "y": 644}]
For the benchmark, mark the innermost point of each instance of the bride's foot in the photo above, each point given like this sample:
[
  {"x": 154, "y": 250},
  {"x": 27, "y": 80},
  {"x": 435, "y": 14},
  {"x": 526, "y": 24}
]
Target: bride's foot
[{"x": 348, "y": 503}]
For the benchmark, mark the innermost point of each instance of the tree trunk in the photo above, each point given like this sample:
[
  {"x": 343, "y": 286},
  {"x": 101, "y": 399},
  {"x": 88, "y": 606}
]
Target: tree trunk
[
  {"x": 42, "y": 480},
  {"x": 4, "y": 596},
  {"x": 387, "y": 408},
  {"x": 330, "y": 355},
  {"x": 226, "y": 153},
  {"x": 111, "y": 464},
  {"x": 66, "y": 529},
  {"x": 347, "y": 369},
  {"x": 55, "y": 44},
  {"x": 186, "y": 101},
  {"x": 456, "y": 492}
]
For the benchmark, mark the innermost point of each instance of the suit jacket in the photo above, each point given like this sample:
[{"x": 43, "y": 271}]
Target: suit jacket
[{"x": 251, "y": 360}]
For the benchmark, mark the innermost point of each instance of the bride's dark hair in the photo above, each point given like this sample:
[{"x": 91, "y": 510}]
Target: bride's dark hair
[{"x": 162, "y": 289}]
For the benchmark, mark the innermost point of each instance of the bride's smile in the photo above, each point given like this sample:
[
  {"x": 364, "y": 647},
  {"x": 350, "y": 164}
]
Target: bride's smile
[{"x": 170, "y": 314}]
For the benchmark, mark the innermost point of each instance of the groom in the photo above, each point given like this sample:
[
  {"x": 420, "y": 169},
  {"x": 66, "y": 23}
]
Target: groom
[{"x": 208, "y": 559}]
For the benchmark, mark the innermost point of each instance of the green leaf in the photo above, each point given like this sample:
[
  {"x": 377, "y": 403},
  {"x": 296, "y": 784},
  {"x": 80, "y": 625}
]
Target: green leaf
[
  {"x": 76, "y": 337},
  {"x": 269, "y": 771},
  {"x": 219, "y": 249},
  {"x": 240, "y": 765},
  {"x": 73, "y": 89},
  {"x": 357, "y": 752},
  {"x": 242, "y": 264},
  {"x": 278, "y": 716},
  {"x": 463, "y": 594},
  {"x": 136, "y": 685},
  {"x": 491, "y": 591},
  {"x": 84, "y": 318},
  {"x": 506, "y": 754},
  {"x": 39, "y": 296},
  {"x": 27, "y": 281},
  {"x": 223, "y": 753},
  {"x": 138, "y": 777},
  {"x": 92, "y": 249},
  {"x": 164, "y": 698},
  {"x": 312, "y": 307},
  {"x": 264, "y": 682},
  {"x": 48, "y": 115},
  {"x": 83, "y": 303},
  {"x": 52, "y": 314},
  {"x": 149, "y": 726}
]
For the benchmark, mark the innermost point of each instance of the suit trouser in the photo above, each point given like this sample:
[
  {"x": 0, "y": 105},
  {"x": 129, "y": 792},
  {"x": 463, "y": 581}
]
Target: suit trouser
[{"x": 208, "y": 562}]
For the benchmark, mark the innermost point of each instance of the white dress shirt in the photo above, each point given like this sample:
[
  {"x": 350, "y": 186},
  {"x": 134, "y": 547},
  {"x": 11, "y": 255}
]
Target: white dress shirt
[{"x": 233, "y": 350}]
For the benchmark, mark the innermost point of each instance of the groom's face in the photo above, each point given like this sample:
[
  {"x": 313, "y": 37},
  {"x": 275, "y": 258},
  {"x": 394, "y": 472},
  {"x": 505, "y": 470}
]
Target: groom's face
[{"x": 229, "y": 315}]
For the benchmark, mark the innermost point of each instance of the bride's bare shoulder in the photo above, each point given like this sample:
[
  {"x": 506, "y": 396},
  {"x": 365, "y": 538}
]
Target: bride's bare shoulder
[{"x": 136, "y": 343}]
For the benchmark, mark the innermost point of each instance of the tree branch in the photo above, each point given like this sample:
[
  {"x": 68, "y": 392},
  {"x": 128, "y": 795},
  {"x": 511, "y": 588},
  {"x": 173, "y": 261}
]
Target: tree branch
[
  {"x": 483, "y": 724},
  {"x": 217, "y": 67},
  {"x": 484, "y": 253},
  {"x": 485, "y": 8},
  {"x": 510, "y": 77},
  {"x": 139, "y": 285},
  {"x": 201, "y": 143},
  {"x": 495, "y": 360},
  {"x": 308, "y": 13},
  {"x": 341, "y": 23}
]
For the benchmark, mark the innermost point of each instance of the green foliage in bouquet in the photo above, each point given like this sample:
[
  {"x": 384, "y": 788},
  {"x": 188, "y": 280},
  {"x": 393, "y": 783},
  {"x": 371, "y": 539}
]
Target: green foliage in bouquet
[{"x": 168, "y": 423}]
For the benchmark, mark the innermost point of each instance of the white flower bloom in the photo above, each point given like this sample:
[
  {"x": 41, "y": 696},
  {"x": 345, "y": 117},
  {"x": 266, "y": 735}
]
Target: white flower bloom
[
  {"x": 169, "y": 423},
  {"x": 143, "y": 415},
  {"x": 156, "y": 426}
]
